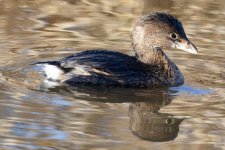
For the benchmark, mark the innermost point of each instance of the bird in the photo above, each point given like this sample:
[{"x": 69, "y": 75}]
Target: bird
[{"x": 148, "y": 67}]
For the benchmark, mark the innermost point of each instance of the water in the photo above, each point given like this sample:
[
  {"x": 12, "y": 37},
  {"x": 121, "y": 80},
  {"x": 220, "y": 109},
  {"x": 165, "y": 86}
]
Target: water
[{"x": 190, "y": 116}]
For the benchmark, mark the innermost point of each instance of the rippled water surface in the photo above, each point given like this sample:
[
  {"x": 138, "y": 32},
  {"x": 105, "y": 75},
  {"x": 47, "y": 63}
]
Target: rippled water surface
[{"x": 191, "y": 116}]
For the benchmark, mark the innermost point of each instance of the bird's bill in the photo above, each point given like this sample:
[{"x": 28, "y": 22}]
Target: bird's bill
[{"x": 186, "y": 45}]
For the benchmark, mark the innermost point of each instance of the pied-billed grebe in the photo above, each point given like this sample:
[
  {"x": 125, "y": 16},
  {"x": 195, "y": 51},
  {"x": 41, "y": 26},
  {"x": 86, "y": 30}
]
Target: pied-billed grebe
[{"x": 150, "y": 67}]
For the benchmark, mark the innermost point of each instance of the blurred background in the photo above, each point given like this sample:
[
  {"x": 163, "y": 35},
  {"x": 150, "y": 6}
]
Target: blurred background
[{"x": 93, "y": 118}]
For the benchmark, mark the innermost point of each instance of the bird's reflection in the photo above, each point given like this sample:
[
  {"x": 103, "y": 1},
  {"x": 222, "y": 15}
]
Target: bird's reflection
[{"x": 146, "y": 122}]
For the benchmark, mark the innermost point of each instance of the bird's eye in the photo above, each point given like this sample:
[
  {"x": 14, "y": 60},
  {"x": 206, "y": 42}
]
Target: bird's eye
[
  {"x": 173, "y": 36},
  {"x": 170, "y": 121}
]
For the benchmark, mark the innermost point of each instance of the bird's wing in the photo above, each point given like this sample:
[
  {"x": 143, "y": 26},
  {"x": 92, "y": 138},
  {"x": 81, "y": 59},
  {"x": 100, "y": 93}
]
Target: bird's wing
[{"x": 103, "y": 66}]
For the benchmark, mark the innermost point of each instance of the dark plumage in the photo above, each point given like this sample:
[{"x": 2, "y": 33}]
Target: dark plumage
[
  {"x": 108, "y": 68},
  {"x": 151, "y": 67}
]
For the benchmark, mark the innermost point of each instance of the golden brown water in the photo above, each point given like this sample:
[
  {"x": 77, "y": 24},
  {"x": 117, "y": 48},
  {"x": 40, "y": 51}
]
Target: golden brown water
[{"x": 191, "y": 116}]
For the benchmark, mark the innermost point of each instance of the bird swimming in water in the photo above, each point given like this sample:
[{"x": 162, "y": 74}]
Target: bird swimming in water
[{"x": 150, "y": 67}]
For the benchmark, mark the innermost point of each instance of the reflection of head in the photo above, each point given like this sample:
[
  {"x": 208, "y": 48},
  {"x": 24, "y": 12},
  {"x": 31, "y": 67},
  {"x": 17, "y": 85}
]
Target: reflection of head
[{"x": 148, "y": 124}]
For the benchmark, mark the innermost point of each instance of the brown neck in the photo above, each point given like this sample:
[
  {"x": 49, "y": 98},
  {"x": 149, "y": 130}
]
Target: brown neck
[{"x": 156, "y": 57}]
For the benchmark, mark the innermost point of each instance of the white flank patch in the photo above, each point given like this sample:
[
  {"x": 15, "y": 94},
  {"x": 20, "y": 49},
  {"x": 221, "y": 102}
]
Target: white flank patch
[
  {"x": 52, "y": 72},
  {"x": 50, "y": 84}
]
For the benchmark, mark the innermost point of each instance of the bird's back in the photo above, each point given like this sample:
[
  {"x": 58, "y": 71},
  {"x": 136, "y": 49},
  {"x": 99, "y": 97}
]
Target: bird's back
[{"x": 102, "y": 67}]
